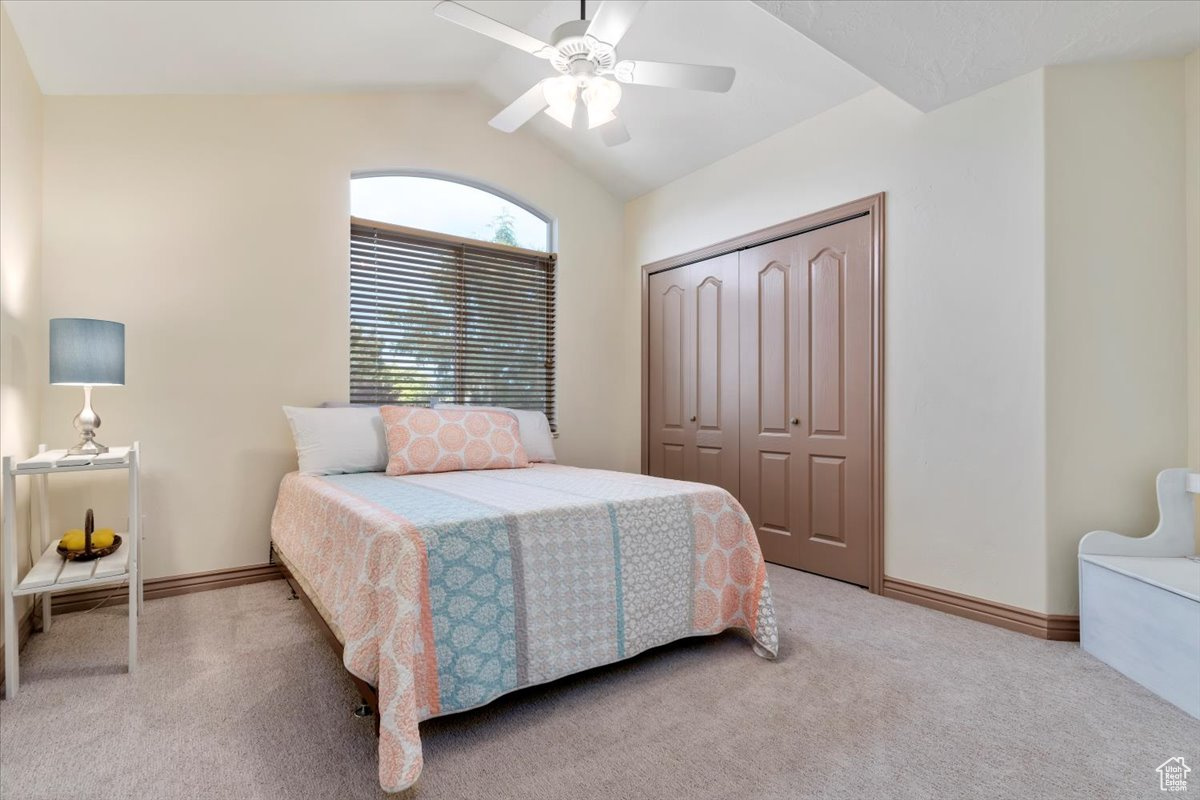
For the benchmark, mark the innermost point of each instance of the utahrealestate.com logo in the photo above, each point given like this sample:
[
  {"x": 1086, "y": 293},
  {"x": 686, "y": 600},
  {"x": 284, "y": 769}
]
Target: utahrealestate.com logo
[{"x": 1172, "y": 775}]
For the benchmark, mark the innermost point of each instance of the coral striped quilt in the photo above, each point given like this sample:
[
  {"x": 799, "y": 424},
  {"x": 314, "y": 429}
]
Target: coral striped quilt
[{"x": 450, "y": 589}]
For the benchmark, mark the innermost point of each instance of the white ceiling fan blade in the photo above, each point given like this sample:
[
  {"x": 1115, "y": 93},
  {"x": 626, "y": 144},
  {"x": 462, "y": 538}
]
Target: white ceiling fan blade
[
  {"x": 675, "y": 76},
  {"x": 521, "y": 110},
  {"x": 612, "y": 19},
  {"x": 614, "y": 133},
  {"x": 461, "y": 15}
]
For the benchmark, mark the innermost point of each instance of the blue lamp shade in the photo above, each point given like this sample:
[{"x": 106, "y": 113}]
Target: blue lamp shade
[{"x": 87, "y": 352}]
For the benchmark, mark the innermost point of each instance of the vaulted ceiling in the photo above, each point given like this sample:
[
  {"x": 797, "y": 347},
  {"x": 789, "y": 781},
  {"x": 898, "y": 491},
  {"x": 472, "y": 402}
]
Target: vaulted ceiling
[
  {"x": 794, "y": 59},
  {"x": 933, "y": 53}
]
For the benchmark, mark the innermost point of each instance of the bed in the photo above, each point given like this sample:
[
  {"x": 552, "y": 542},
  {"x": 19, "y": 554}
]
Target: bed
[{"x": 444, "y": 591}]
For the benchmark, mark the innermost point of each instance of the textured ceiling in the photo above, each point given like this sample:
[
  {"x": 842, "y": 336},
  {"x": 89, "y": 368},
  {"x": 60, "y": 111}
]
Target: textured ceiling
[{"x": 933, "y": 53}]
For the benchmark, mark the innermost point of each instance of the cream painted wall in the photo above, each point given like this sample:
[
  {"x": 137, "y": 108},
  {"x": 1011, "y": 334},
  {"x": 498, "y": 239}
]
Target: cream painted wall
[
  {"x": 964, "y": 295},
  {"x": 1116, "y": 393},
  {"x": 216, "y": 229},
  {"x": 1191, "y": 68},
  {"x": 1035, "y": 307},
  {"x": 22, "y": 370}
]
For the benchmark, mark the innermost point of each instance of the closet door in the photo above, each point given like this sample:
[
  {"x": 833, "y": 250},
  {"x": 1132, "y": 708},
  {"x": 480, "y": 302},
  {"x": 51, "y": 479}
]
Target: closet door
[
  {"x": 712, "y": 304},
  {"x": 693, "y": 375},
  {"x": 806, "y": 378},
  {"x": 669, "y": 361},
  {"x": 771, "y": 445}
]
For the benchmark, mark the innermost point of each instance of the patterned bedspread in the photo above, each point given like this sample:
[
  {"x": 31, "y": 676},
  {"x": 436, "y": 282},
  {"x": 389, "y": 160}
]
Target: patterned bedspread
[{"x": 451, "y": 589}]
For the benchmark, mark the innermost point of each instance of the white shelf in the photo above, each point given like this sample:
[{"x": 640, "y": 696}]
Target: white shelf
[
  {"x": 53, "y": 573},
  {"x": 55, "y": 461}
]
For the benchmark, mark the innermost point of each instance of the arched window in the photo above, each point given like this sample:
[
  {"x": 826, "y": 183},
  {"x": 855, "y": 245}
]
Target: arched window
[
  {"x": 449, "y": 205},
  {"x": 452, "y": 294}
]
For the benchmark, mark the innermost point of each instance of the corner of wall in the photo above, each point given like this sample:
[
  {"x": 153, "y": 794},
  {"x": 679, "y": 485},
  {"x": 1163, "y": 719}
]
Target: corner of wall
[
  {"x": 1191, "y": 69},
  {"x": 1116, "y": 395},
  {"x": 22, "y": 375}
]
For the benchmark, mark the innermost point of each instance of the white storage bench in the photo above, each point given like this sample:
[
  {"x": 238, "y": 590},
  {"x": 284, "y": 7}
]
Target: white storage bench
[
  {"x": 1139, "y": 598},
  {"x": 1141, "y": 616}
]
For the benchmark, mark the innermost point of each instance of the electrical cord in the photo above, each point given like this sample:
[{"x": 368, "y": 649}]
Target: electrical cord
[
  {"x": 103, "y": 600},
  {"x": 99, "y": 602}
]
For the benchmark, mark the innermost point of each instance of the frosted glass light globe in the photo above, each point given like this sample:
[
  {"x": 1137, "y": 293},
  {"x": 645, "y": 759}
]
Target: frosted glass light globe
[
  {"x": 561, "y": 94},
  {"x": 601, "y": 96}
]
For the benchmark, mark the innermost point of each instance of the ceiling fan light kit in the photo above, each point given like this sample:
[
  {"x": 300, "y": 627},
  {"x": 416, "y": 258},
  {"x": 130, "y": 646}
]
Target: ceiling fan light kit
[
  {"x": 601, "y": 96},
  {"x": 588, "y": 89}
]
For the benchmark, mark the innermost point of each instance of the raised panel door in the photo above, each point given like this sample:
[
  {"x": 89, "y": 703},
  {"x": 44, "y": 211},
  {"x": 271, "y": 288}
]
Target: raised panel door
[
  {"x": 835, "y": 364},
  {"x": 713, "y": 306},
  {"x": 768, "y": 339},
  {"x": 668, "y": 379},
  {"x": 693, "y": 373},
  {"x": 805, "y": 343}
]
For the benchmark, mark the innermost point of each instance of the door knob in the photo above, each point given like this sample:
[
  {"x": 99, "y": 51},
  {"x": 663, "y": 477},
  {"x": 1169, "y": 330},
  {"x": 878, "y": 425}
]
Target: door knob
[
  {"x": 692, "y": 418},
  {"x": 795, "y": 420}
]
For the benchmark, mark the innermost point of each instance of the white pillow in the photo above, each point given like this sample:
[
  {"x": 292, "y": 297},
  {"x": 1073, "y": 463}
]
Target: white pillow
[
  {"x": 330, "y": 441},
  {"x": 534, "y": 430}
]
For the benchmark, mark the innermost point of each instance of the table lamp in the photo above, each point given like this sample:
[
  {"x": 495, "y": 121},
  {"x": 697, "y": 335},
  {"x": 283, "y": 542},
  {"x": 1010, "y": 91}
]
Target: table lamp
[{"x": 87, "y": 353}]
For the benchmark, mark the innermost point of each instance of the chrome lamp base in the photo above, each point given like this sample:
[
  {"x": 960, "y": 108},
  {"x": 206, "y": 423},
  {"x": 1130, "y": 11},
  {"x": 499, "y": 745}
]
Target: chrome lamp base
[
  {"x": 88, "y": 447},
  {"x": 86, "y": 422}
]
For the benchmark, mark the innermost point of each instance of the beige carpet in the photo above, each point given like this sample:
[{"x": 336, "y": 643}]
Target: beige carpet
[{"x": 239, "y": 697}]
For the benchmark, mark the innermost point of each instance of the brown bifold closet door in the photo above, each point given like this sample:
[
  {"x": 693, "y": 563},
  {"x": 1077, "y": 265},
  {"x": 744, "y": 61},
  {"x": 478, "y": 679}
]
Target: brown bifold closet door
[
  {"x": 805, "y": 358},
  {"x": 693, "y": 373}
]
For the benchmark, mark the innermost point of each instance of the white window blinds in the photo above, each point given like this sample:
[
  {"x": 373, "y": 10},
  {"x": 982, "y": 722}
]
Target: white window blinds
[{"x": 437, "y": 318}]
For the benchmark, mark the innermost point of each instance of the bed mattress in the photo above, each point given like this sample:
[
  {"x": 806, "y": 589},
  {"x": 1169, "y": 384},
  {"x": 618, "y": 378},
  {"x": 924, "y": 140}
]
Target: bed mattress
[{"x": 451, "y": 589}]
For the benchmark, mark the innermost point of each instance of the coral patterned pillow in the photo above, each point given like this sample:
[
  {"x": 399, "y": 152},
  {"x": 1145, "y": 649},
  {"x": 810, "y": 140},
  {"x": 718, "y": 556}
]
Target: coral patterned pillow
[{"x": 442, "y": 440}]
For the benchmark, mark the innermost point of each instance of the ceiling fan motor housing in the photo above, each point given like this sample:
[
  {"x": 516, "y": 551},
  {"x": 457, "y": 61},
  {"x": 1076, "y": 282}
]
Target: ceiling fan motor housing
[
  {"x": 573, "y": 29},
  {"x": 578, "y": 54}
]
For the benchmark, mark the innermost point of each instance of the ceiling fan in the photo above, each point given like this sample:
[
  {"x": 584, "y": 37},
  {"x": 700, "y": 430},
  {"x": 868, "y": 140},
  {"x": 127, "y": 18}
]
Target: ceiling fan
[{"x": 584, "y": 52}]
